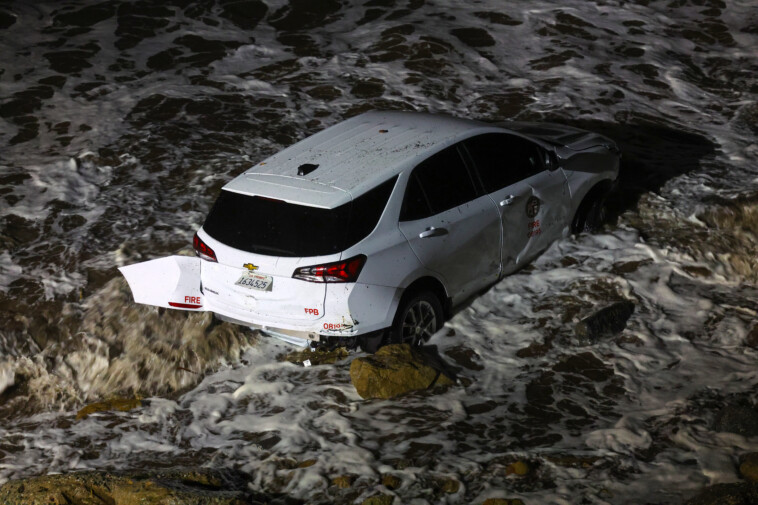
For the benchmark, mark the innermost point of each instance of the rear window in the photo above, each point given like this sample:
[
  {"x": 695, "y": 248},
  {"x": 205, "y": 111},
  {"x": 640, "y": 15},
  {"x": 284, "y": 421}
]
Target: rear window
[{"x": 276, "y": 228}]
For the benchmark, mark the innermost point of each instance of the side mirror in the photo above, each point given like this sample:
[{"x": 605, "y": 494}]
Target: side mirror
[{"x": 552, "y": 162}]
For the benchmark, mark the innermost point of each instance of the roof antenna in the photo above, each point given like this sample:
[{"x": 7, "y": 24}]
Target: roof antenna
[{"x": 306, "y": 168}]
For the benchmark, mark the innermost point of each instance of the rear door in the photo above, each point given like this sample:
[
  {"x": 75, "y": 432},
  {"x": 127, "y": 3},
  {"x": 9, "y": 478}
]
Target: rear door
[{"x": 452, "y": 227}]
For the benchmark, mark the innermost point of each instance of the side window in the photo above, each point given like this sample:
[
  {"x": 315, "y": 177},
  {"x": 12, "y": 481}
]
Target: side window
[
  {"x": 503, "y": 159},
  {"x": 437, "y": 184}
]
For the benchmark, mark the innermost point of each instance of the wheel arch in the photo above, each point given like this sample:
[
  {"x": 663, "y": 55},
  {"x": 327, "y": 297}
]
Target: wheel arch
[
  {"x": 599, "y": 188},
  {"x": 429, "y": 283}
]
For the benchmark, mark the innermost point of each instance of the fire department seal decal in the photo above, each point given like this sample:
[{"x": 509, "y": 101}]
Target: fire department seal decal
[{"x": 532, "y": 206}]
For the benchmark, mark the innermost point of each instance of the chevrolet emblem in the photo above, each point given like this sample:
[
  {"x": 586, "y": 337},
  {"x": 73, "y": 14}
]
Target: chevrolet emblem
[{"x": 250, "y": 266}]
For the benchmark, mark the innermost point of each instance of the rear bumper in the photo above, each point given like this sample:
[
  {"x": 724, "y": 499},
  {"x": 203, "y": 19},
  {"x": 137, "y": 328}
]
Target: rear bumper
[{"x": 350, "y": 310}]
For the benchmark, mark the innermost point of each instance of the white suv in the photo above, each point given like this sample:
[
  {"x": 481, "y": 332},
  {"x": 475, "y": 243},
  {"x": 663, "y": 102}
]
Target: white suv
[{"x": 375, "y": 228}]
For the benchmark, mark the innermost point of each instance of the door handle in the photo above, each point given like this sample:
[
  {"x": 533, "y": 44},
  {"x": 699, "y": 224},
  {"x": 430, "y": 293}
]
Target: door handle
[
  {"x": 432, "y": 232},
  {"x": 508, "y": 200}
]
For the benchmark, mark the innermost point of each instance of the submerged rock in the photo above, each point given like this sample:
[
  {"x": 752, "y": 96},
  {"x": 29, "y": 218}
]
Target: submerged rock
[
  {"x": 502, "y": 501},
  {"x": 391, "y": 482},
  {"x": 121, "y": 404},
  {"x": 749, "y": 466},
  {"x": 397, "y": 369},
  {"x": 319, "y": 356},
  {"x": 343, "y": 481},
  {"x": 739, "y": 493},
  {"x": 605, "y": 322},
  {"x": 380, "y": 499},
  {"x": 519, "y": 468},
  {"x": 738, "y": 419},
  {"x": 201, "y": 487}
]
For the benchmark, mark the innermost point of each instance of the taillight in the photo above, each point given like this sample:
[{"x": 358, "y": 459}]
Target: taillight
[
  {"x": 202, "y": 249},
  {"x": 340, "y": 271}
]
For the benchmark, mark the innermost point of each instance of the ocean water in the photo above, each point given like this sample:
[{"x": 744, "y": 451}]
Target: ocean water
[{"x": 120, "y": 121}]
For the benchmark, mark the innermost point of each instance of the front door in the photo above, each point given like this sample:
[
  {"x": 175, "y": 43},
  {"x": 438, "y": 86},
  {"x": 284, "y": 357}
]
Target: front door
[{"x": 514, "y": 175}]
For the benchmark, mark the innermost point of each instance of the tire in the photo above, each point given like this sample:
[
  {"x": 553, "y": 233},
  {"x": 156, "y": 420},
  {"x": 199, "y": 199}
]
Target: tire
[
  {"x": 418, "y": 317},
  {"x": 591, "y": 214}
]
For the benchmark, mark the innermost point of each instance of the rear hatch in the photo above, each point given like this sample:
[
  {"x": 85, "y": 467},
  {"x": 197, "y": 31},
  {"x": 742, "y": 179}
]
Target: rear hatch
[{"x": 259, "y": 242}]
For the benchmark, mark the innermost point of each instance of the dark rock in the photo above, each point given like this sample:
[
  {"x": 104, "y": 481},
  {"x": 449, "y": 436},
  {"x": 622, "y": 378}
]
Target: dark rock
[
  {"x": 585, "y": 364},
  {"x": 752, "y": 338},
  {"x": 749, "y": 466},
  {"x": 606, "y": 322},
  {"x": 474, "y": 37},
  {"x": 7, "y": 19},
  {"x": 738, "y": 419},
  {"x": 465, "y": 357},
  {"x": 87, "y": 16},
  {"x": 246, "y": 14},
  {"x": 740, "y": 493}
]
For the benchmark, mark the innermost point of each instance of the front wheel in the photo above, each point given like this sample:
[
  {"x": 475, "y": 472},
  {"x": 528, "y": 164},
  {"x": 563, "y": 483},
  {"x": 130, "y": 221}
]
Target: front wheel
[
  {"x": 592, "y": 213},
  {"x": 417, "y": 319}
]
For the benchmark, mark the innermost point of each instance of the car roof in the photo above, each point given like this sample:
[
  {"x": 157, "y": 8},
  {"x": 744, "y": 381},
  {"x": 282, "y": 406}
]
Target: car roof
[{"x": 353, "y": 157}]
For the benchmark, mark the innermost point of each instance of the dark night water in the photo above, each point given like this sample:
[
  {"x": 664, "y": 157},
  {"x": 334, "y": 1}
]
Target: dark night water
[{"x": 120, "y": 121}]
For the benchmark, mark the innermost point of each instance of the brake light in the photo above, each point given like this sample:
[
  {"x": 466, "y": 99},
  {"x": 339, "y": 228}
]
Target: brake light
[
  {"x": 202, "y": 249},
  {"x": 340, "y": 271}
]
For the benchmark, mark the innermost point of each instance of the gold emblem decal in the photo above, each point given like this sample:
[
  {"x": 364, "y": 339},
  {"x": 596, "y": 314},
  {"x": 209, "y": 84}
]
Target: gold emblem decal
[{"x": 250, "y": 266}]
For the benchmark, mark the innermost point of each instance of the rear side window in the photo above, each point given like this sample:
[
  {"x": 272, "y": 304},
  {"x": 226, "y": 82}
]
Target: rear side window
[
  {"x": 437, "y": 184},
  {"x": 276, "y": 228},
  {"x": 503, "y": 159}
]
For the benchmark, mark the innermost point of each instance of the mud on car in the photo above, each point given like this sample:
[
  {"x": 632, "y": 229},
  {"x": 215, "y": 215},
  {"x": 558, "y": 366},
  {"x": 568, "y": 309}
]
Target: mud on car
[{"x": 374, "y": 229}]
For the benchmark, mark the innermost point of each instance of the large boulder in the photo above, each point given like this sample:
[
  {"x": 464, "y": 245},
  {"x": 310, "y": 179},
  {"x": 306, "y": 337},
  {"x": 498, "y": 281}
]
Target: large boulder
[
  {"x": 397, "y": 369},
  {"x": 199, "y": 487},
  {"x": 606, "y": 322}
]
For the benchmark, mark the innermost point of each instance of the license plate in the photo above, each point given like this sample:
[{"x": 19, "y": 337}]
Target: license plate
[{"x": 255, "y": 281}]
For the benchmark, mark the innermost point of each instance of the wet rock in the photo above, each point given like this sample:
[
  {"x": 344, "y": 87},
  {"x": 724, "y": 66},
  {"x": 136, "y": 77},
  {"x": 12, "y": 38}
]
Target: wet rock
[
  {"x": 741, "y": 493},
  {"x": 738, "y": 419},
  {"x": 502, "y": 501},
  {"x": 391, "y": 482},
  {"x": 535, "y": 349},
  {"x": 585, "y": 364},
  {"x": 572, "y": 460},
  {"x": 380, "y": 499},
  {"x": 497, "y": 18},
  {"x": 343, "y": 481},
  {"x": 519, "y": 468},
  {"x": 7, "y": 19},
  {"x": 474, "y": 37},
  {"x": 246, "y": 14},
  {"x": 449, "y": 486},
  {"x": 752, "y": 338},
  {"x": 120, "y": 404},
  {"x": 397, "y": 369},
  {"x": 88, "y": 16},
  {"x": 465, "y": 357},
  {"x": 199, "y": 487},
  {"x": 319, "y": 356},
  {"x": 749, "y": 466},
  {"x": 606, "y": 322}
]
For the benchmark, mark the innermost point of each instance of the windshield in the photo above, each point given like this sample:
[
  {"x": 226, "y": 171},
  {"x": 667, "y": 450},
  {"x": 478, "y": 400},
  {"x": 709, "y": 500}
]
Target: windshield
[{"x": 276, "y": 228}]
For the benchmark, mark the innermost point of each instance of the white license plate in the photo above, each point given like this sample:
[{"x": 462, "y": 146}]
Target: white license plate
[{"x": 255, "y": 281}]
